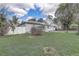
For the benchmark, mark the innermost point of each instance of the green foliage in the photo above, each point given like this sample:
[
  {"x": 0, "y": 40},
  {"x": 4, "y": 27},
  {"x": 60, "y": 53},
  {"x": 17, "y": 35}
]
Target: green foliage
[
  {"x": 50, "y": 17},
  {"x": 76, "y": 15},
  {"x": 65, "y": 15},
  {"x": 68, "y": 13},
  {"x": 13, "y": 22},
  {"x": 3, "y": 25},
  {"x": 37, "y": 30}
]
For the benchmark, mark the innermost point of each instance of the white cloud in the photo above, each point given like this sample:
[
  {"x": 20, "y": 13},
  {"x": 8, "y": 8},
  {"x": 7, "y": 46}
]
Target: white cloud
[
  {"x": 16, "y": 8},
  {"x": 23, "y": 5},
  {"x": 17, "y": 11},
  {"x": 48, "y": 8},
  {"x": 19, "y": 8}
]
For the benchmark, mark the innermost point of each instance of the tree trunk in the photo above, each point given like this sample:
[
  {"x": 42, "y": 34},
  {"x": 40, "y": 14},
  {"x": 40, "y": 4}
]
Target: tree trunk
[{"x": 67, "y": 28}]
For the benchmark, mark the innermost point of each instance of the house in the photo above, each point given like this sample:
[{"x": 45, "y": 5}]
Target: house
[
  {"x": 26, "y": 27},
  {"x": 22, "y": 28}
]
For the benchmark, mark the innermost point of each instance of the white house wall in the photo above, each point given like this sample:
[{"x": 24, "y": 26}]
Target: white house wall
[
  {"x": 27, "y": 28},
  {"x": 18, "y": 30}
]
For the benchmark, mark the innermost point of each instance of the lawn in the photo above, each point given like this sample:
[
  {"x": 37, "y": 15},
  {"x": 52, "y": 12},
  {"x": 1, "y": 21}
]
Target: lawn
[{"x": 66, "y": 44}]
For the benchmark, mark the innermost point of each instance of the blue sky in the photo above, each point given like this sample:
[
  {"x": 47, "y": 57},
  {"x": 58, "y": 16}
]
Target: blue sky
[{"x": 36, "y": 10}]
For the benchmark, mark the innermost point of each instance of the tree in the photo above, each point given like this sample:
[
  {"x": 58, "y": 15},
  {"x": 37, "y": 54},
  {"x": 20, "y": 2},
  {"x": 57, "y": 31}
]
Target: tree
[
  {"x": 76, "y": 14},
  {"x": 4, "y": 26},
  {"x": 49, "y": 20},
  {"x": 57, "y": 23},
  {"x": 13, "y": 22},
  {"x": 40, "y": 20},
  {"x": 65, "y": 14}
]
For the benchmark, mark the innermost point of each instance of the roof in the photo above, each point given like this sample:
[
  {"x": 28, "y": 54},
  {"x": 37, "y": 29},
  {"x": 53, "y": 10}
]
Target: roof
[{"x": 34, "y": 23}]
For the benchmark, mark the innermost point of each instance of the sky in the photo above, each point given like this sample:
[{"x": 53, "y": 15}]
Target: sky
[{"x": 24, "y": 11}]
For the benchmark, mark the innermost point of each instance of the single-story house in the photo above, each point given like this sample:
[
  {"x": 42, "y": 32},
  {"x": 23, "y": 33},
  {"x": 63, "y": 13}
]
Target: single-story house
[{"x": 26, "y": 27}]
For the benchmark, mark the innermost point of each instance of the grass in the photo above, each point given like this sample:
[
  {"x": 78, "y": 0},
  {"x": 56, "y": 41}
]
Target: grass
[{"x": 66, "y": 44}]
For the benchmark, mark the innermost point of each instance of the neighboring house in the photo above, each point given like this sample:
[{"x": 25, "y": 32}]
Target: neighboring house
[{"x": 26, "y": 27}]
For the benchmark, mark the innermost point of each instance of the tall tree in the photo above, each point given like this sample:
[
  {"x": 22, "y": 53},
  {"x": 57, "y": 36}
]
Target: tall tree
[
  {"x": 65, "y": 14},
  {"x": 3, "y": 21},
  {"x": 50, "y": 20},
  {"x": 75, "y": 7}
]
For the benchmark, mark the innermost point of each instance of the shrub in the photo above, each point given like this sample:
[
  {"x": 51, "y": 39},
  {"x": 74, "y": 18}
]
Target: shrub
[
  {"x": 73, "y": 27},
  {"x": 4, "y": 30},
  {"x": 36, "y": 30}
]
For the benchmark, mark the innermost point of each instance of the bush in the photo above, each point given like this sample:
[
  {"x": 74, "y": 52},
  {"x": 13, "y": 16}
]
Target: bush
[
  {"x": 4, "y": 30},
  {"x": 36, "y": 30},
  {"x": 73, "y": 27}
]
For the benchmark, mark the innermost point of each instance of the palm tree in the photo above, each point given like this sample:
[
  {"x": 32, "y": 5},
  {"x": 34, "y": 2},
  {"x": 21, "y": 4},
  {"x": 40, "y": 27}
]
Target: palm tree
[{"x": 13, "y": 23}]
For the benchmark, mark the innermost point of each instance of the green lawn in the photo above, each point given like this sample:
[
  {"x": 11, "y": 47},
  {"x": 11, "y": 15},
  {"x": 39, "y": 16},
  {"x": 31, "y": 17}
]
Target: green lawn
[{"x": 27, "y": 45}]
